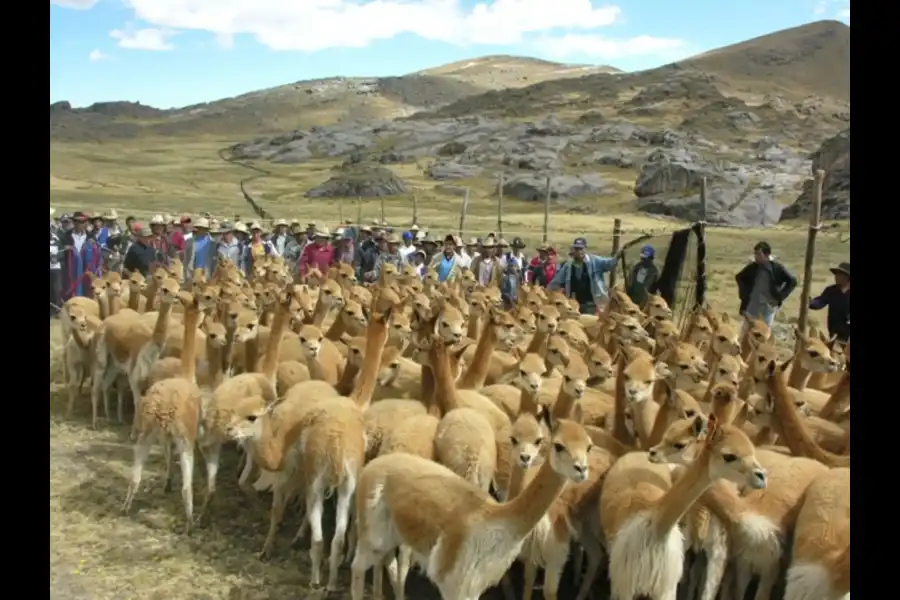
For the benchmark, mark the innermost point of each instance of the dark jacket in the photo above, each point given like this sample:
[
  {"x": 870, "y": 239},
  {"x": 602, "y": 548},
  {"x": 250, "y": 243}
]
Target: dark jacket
[
  {"x": 140, "y": 257},
  {"x": 838, "y": 304},
  {"x": 639, "y": 291},
  {"x": 783, "y": 282}
]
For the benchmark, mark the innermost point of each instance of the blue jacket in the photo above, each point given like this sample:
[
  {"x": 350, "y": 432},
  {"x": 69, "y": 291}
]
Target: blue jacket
[{"x": 597, "y": 267}]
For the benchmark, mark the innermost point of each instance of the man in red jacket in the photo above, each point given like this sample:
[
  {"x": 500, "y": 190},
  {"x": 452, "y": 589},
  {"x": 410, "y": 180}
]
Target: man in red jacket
[
  {"x": 318, "y": 254},
  {"x": 542, "y": 267}
]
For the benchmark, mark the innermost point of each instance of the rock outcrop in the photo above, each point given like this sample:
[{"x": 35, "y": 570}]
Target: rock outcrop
[
  {"x": 834, "y": 158},
  {"x": 670, "y": 180},
  {"x": 364, "y": 180}
]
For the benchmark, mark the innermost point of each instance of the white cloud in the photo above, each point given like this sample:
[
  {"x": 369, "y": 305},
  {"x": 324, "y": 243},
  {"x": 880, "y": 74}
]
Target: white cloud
[
  {"x": 311, "y": 25},
  {"x": 96, "y": 55},
  {"x": 76, "y": 4},
  {"x": 836, "y": 9},
  {"x": 143, "y": 39},
  {"x": 599, "y": 47}
]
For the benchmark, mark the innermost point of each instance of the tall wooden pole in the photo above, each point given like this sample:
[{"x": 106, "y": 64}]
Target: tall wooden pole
[
  {"x": 814, "y": 224},
  {"x": 383, "y": 220},
  {"x": 462, "y": 214},
  {"x": 359, "y": 222},
  {"x": 341, "y": 211},
  {"x": 616, "y": 244},
  {"x": 547, "y": 212},
  {"x": 415, "y": 207},
  {"x": 703, "y": 199},
  {"x": 500, "y": 206}
]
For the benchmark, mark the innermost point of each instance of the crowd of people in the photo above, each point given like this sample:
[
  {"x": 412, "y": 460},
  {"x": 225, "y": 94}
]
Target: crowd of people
[{"x": 81, "y": 244}]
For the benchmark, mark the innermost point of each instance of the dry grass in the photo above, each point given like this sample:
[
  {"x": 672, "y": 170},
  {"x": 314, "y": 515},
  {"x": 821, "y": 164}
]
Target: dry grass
[{"x": 98, "y": 553}]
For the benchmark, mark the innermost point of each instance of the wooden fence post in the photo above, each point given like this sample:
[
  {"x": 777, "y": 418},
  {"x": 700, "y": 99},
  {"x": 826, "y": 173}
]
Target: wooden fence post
[
  {"x": 341, "y": 211},
  {"x": 383, "y": 220},
  {"x": 415, "y": 220},
  {"x": 500, "y": 206},
  {"x": 616, "y": 244},
  {"x": 462, "y": 214},
  {"x": 547, "y": 213},
  {"x": 814, "y": 224},
  {"x": 359, "y": 222},
  {"x": 700, "y": 289}
]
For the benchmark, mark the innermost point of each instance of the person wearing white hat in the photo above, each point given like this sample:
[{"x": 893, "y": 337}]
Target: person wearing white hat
[
  {"x": 294, "y": 247},
  {"x": 200, "y": 251},
  {"x": 390, "y": 255},
  {"x": 281, "y": 236},
  {"x": 55, "y": 268},
  {"x": 160, "y": 240},
  {"x": 109, "y": 227},
  {"x": 319, "y": 254},
  {"x": 257, "y": 247},
  {"x": 229, "y": 246}
]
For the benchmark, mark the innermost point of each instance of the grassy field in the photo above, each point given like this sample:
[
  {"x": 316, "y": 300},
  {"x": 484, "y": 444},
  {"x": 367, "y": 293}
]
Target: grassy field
[{"x": 97, "y": 553}]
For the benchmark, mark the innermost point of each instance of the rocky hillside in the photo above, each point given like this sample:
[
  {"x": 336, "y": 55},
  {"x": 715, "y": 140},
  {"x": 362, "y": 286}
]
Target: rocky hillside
[
  {"x": 834, "y": 158},
  {"x": 309, "y": 103}
]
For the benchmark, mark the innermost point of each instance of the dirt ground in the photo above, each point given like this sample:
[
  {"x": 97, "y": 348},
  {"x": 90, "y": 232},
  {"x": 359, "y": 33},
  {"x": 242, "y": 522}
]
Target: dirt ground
[{"x": 96, "y": 553}]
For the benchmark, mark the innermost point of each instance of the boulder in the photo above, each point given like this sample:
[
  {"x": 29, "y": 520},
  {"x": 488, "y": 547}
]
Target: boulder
[
  {"x": 614, "y": 159},
  {"x": 534, "y": 187},
  {"x": 669, "y": 184},
  {"x": 671, "y": 172},
  {"x": 365, "y": 180},
  {"x": 444, "y": 170},
  {"x": 834, "y": 157}
]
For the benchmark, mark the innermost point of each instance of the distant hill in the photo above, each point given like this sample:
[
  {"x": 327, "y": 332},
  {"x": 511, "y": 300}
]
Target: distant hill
[
  {"x": 802, "y": 73},
  {"x": 308, "y": 103}
]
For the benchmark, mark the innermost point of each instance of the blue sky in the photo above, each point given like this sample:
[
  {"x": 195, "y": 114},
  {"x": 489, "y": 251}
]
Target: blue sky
[{"x": 177, "y": 52}]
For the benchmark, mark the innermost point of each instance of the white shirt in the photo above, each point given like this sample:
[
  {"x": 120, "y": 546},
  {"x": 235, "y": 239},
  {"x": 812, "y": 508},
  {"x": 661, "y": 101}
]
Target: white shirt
[
  {"x": 405, "y": 251},
  {"x": 464, "y": 260},
  {"x": 78, "y": 240},
  {"x": 485, "y": 270},
  {"x": 518, "y": 258}
]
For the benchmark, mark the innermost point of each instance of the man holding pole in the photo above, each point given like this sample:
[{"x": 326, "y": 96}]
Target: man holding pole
[
  {"x": 837, "y": 298},
  {"x": 582, "y": 277}
]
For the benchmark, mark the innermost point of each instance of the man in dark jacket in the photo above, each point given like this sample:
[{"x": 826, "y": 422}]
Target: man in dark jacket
[
  {"x": 141, "y": 255},
  {"x": 837, "y": 298},
  {"x": 764, "y": 285},
  {"x": 643, "y": 277}
]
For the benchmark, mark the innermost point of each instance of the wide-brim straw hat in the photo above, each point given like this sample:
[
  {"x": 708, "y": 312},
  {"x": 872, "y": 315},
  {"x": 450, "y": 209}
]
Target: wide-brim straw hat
[
  {"x": 202, "y": 223},
  {"x": 110, "y": 215},
  {"x": 240, "y": 227},
  {"x": 488, "y": 242},
  {"x": 298, "y": 229},
  {"x": 322, "y": 232},
  {"x": 501, "y": 243},
  {"x": 393, "y": 238},
  {"x": 255, "y": 226},
  {"x": 428, "y": 239},
  {"x": 281, "y": 222},
  {"x": 472, "y": 242},
  {"x": 158, "y": 220},
  {"x": 225, "y": 227}
]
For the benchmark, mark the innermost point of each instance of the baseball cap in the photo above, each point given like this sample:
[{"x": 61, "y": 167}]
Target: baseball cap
[
  {"x": 648, "y": 252},
  {"x": 579, "y": 242},
  {"x": 407, "y": 236}
]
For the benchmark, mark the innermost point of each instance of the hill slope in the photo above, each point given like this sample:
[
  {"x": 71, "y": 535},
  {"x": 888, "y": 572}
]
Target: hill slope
[
  {"x": 813, "y": 58},
  {"x": 807, "y": 65},
  {"x": 308, "y": 103}
]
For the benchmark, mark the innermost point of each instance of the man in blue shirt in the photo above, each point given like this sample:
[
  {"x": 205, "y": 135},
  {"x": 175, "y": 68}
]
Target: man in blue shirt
[
  {"x": 200, "y": 251},
  {"x": 582, "y": 277}
]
